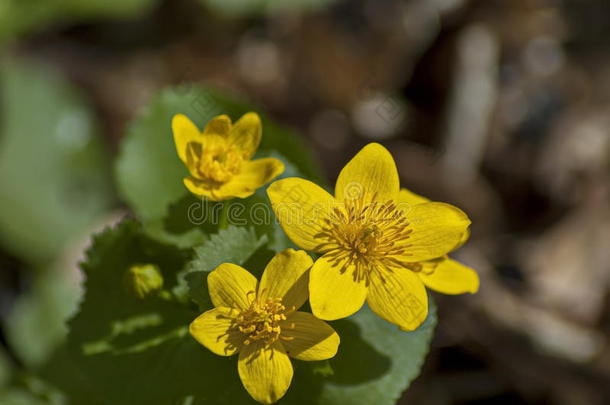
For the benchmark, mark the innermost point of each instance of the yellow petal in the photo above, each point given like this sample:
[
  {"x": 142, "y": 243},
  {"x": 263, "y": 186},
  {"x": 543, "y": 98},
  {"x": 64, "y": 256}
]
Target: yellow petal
[
  {"x": 437, "y": 228},
  {"x": 200, "y": 188},
  {"x": 301, "y": 207},
  {"x": 450, "y": 277},
  {"x": 333, "y": 292},
  {"x": 372, "y": 172},
  {"x": 246, "y": 134},
  {"x": 463, "y": 240},
  {"x": 287, "y": 277},
  {"x": 253, "y": 175},
  {"x": 185, "y": 131},
  {"x": 220, "y": 125},
  {"x": 399, "y": 297},
  {"x": 231, "y": 286},
  {"x": 306, "y": 337},
  {"x": 213, "y": 330},
  {"x": 408, "y": 197},
  {"x": 265, "y": 372}
]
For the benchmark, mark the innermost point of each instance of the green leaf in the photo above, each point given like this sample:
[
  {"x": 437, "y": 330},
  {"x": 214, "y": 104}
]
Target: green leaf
[
  {"x": 27, "y": 389},
  {"x": 125, "y": 351},
  {"x": 231, "y": 245},
  {"x": 149, "y": 173},
  {"x": 54, "y": 181},
  {"x": 376, "y": 362}
]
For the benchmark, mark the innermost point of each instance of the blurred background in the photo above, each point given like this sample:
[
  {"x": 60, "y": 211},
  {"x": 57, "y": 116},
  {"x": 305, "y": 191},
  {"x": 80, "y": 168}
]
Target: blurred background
[{"x": 499, "y": 107}]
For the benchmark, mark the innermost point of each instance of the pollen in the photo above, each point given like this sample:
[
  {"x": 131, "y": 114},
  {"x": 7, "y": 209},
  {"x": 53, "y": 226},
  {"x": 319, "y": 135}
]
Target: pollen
[
  {"x": 262, "y": 321},
  {"x": 367, "y": 234}
]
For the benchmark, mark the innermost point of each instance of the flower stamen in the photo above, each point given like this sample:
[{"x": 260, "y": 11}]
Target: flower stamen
[
  {"x": 367, "y": 234},
  {"x": 261, "y": 321}
]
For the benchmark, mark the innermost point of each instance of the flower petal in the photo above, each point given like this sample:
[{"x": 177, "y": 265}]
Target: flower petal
[
  {"x": 213, "y": 329},
  {"x": 333, "y": 291},
  {"x": 399, "y": 297},
  {"x": 408, "y": 197},
  {"x": 254, "y": 174},
  {"x": 308, "y": 338},
  {"x": 287, "y": 277},
  {"x": 231, "y": 286},
  {"x": 372, "y": 172},
  {"x": 246, "y": 134},
  {"x": 220, "y": 125},
  {"x": 463, "y": 239},
  {"x": 450, "y": 277},
  {"x": 185, "y": 131},
  {"x": 301, "y": 207},
  {"x": 437, "y": 228},
  {"x": 200, "y": 188},
  {"x": 266, "y": 373}
]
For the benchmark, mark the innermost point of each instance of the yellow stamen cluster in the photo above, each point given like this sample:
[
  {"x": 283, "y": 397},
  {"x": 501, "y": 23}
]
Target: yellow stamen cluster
[
  {"x": 216, "y": 161},
  {"x": 261, "y": 321},
  {"x": 367, "y": 234}
]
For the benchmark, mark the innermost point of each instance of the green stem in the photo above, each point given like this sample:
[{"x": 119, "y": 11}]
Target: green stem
[{"x": 224, "y": 216}]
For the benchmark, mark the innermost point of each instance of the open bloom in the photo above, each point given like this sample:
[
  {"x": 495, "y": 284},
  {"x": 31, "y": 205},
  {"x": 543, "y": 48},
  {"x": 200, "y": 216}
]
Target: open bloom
[
  {"x": 260, "y": 321},
  {"x": 218, "y": 158},
  {"x": 371, "y": 243}
]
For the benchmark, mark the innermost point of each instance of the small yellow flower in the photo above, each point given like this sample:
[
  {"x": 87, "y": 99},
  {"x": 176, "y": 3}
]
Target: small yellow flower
[
  {"x": 262, "y": 324},
  {"x": 218, "y": 158},
  {"x": 371, "y": 243}
]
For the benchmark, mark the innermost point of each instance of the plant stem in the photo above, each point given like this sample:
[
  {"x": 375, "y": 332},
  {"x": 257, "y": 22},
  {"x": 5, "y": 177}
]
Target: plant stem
[{"x": 224, "y": 216}]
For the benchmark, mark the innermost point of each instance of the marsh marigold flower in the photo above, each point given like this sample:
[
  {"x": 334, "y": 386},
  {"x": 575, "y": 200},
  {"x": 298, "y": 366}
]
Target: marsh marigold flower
[
  {"x": 372, "y": 244},
  {"x": 219, "y": 158},
  {"x": 260, "y": 321}
]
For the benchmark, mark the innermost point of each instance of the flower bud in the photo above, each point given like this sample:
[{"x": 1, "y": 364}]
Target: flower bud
[{"x": 144, "y": 279}]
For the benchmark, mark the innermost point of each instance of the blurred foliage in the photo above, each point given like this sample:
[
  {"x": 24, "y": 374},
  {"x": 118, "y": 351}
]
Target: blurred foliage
[
  {"x": 54, "y": 178},
  {"x": 36, "y": 325},
  {"x": 5, "y": 369},
  {"x": 247, "y": 7},
  {"x": 20, "y": 17}
]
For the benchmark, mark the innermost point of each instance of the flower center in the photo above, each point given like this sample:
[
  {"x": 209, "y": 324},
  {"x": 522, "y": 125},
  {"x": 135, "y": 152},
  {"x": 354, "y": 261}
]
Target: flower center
[
  {"x": 369, "y": 234},
  {"x": 261, "y": 321},
  {"x": 219, "y": 164},
  {"x": 216, "y": 161}
]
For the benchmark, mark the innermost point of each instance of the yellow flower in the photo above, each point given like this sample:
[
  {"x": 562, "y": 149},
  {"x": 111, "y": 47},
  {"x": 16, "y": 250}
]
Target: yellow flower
[
  {"x": 371, "y": 243},
  {"x": 260, "y": 321},
  {"x": 218, "y": 158}
]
